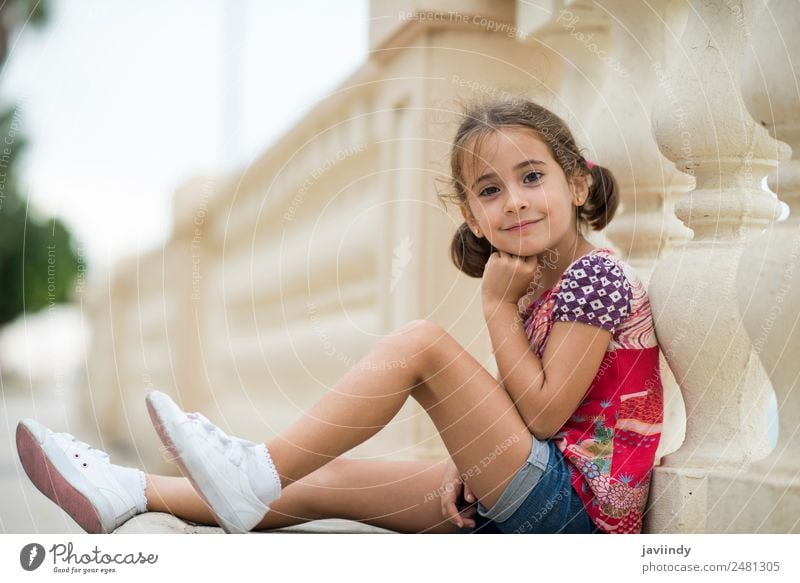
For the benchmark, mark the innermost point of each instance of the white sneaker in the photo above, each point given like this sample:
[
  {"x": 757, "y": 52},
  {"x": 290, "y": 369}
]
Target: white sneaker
[
  {"x": 235, "y": 477},
  {"x": 98, "y": 495}
]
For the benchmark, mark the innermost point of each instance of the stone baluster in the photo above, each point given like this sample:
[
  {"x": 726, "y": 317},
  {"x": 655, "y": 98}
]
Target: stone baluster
[
  {"x": 701, "y": 124},
  {"x": 645, "y": 222},
  {"x": 769, "y": 276}
]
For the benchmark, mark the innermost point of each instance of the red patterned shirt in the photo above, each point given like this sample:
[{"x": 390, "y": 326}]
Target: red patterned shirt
[{"x": 611, "y": 439}]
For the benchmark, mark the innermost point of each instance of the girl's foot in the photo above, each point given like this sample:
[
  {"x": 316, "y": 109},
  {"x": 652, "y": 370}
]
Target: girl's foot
[
  {"x": 98, "y": 495},
  {"x": 235, "y": 477}
]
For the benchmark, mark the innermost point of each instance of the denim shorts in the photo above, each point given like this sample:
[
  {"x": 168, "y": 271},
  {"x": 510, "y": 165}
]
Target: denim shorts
[{"x": 539, "y": 499}]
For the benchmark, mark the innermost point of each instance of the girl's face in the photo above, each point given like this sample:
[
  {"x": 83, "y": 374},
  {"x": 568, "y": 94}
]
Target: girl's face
[{"x": 515, "y": 181}]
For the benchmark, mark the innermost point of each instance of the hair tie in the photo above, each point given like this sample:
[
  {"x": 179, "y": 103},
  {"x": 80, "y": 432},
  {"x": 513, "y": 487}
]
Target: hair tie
[{"x": 590, "y": 164}]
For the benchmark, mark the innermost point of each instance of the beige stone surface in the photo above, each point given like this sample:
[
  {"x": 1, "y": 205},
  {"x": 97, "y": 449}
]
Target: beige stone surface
[{"x": 160, "y": 523}]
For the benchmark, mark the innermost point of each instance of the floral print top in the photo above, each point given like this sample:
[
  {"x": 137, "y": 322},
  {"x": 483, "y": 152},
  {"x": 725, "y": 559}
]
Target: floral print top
[{"x": 611, "y": 439}]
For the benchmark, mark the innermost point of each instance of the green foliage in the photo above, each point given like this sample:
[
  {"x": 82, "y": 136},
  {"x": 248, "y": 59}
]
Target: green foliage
[
  {"x": 39, "y": 267},
  {"x": 38, "y": 264}
]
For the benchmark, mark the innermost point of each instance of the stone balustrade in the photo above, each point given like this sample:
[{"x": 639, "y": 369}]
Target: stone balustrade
[{"x": 279, "y": 277}]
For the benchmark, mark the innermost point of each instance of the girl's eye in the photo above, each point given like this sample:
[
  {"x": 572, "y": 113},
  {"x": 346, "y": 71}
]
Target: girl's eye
[
  {"x": 536, "y": 177},
  {"x": 529, "y": 177}
]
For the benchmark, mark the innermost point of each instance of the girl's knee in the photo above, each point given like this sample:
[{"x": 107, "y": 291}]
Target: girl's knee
[{"x": 416, "y": 337}]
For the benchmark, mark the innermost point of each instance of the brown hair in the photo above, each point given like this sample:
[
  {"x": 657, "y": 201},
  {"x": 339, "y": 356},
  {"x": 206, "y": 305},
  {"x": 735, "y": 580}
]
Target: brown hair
[{"x": 469, "y": 252}]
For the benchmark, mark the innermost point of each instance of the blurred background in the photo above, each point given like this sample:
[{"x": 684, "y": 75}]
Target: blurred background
[
  {"x": 106, "y": 108},
  {"x": 232, "y": 200}
]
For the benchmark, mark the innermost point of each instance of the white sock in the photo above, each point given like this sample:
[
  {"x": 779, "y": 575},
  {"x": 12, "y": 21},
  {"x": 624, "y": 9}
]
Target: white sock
[
  {"x": 263, "y": 475},
  {"x": 133, "y": 482}
]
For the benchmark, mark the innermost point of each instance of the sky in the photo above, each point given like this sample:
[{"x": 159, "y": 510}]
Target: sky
[{"x": 122, "y": 102}]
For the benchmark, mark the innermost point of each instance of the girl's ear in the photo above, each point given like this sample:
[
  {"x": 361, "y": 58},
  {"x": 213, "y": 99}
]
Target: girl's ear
[
  {"x": 473, "y": 224},
  {"x": 580, "y": 190}
]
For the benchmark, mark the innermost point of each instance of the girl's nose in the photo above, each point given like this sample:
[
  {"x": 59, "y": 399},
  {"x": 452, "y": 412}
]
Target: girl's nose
[{"x": 515, "y": 202}]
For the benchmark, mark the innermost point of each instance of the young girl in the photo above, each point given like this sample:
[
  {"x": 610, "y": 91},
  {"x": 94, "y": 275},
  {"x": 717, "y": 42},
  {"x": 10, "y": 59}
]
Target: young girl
[{"x": 563, "y": 441}]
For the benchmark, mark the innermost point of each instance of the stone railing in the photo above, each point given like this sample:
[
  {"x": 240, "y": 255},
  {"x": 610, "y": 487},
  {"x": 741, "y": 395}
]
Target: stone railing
[
  {"x": 278, "y": 278},
  {"x": 737, "y": 273}
]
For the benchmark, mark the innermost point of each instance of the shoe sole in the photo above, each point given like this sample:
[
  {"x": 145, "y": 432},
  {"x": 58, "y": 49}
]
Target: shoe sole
[
  {"x": 50, "y": 481},
  {"x": 166, "y": 439}
]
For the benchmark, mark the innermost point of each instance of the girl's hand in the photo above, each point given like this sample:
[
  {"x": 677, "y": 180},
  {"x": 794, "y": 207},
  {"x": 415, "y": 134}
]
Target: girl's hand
[
  {"x": 452, "y": 486},
  {"x": 507, "y": 277}
]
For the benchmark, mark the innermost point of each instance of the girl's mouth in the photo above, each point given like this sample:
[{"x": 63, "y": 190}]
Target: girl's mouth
[{"x": 524, "y": 226}]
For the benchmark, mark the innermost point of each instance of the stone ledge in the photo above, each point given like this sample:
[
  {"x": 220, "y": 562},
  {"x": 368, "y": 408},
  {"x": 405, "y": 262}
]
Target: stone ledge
[{"x": 161, "y": 523}]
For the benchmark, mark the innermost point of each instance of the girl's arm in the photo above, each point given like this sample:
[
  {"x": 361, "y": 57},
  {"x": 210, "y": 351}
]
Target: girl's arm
[{"x": 546, "y": 392}]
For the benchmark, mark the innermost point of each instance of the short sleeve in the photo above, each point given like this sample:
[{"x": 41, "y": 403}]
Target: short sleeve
[{"x": 594, "y": 291}]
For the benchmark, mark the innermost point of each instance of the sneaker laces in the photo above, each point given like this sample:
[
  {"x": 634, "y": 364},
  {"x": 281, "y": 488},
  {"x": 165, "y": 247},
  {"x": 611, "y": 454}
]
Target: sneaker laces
[
  {"x": 233, "y": 447},
  {"x": 91, "y": 450}
]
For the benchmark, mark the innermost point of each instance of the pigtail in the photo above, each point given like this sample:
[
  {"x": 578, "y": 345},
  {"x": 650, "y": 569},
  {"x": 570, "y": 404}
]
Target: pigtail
[
  {"x": 603, "y": 199},
  {"x": 469, "y": 252}
]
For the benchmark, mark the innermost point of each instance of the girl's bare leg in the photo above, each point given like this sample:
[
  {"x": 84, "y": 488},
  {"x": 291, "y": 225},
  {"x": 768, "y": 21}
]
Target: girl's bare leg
[
  {"x": 481, "y": 428},
  {"x": 402, "y": 496}
]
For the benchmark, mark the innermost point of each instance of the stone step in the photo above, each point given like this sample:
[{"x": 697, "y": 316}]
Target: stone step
[{"x": 161, "y": 523}]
